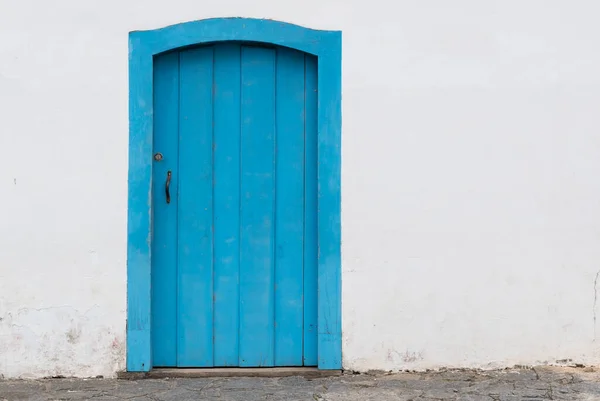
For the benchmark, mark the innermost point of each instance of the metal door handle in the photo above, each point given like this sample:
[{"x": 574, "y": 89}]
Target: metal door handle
[{"x": 167, "y": 187}]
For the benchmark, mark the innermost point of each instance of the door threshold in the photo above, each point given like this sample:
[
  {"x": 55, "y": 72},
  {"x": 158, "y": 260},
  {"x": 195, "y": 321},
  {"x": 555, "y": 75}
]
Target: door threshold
[{"x": 163, "y": 373}]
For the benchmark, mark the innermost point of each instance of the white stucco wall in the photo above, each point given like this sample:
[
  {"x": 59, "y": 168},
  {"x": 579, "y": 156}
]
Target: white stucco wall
[{"x": 471, "y": 178}]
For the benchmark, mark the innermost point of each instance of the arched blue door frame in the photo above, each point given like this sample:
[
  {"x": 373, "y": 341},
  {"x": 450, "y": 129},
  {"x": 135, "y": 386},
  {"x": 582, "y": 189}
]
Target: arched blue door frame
[{"x": 143, "y": 46}]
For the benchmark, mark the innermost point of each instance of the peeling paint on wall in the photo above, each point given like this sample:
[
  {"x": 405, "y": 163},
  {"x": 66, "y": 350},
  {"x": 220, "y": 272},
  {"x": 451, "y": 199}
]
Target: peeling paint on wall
[{"x": 32, "y": 345}]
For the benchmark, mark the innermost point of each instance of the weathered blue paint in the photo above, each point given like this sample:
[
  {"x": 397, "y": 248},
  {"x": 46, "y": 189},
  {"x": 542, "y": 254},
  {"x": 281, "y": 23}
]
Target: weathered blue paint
[
  {"x": 258, "y": 207},
  {"x": 329, "y": 209},
  {"x": 310, "y": 216},
  {"x": 289, "y": 213},
  {"x": 227, "y": 204},
  {"x": 326, "y": 46},
  {"x": 164, "y": 216},
  {"x": 253, "y": 109},
  {"x": 195, "y": 215}
]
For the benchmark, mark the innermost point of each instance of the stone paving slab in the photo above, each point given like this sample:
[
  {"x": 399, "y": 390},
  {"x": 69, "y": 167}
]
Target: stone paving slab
[{"x": 535, "y": 384}]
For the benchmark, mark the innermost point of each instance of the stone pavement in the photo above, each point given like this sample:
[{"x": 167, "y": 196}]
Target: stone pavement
[{"x": 540, "y": 383}]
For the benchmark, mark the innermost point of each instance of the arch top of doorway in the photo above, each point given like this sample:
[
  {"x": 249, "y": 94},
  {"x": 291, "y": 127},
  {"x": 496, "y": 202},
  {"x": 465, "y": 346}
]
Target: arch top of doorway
[{"x": 213, "y": 30}]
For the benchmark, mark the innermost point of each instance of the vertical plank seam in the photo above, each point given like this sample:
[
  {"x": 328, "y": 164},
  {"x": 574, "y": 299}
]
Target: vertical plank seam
[
  {"x": 152, "y": 214},
  {"x": 212, "y": 207},
  {"x": 304, "y": 221},
  {"x": 177, "y": 301},
  {"x": 239, "y": 350},
  {"x": 274, "y": 222}
]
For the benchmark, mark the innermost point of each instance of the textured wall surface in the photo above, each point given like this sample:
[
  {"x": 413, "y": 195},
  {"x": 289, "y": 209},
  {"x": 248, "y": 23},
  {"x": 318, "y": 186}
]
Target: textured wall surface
[{"x": 471, "y": 197}]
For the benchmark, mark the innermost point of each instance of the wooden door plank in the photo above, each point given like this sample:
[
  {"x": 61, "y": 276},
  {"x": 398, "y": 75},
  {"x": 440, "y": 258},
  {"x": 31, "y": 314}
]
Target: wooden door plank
[
  {"x": 289, "y": 211},
  {"x": 257, "y": 207},
  {"x": 311, "y": 217},
  {"x": 164, "y": 216},
  {"x": 227, "y": 203},
  {"x": 195, "y": 218}
]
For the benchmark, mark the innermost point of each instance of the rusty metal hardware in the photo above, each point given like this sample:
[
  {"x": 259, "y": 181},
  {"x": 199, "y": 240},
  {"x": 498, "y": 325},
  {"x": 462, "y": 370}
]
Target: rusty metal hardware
[{"x": 167, "y": 187}]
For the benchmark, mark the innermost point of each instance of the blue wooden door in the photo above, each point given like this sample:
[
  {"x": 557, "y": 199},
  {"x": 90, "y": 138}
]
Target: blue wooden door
[{"x": 234, "y": 250}]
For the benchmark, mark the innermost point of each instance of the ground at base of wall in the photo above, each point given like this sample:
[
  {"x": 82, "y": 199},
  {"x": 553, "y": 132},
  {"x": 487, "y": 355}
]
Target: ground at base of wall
[{"x": 540, "y": 383}]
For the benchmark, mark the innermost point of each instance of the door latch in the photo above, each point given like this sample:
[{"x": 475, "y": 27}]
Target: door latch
[{"x": 167, "y": 187}]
